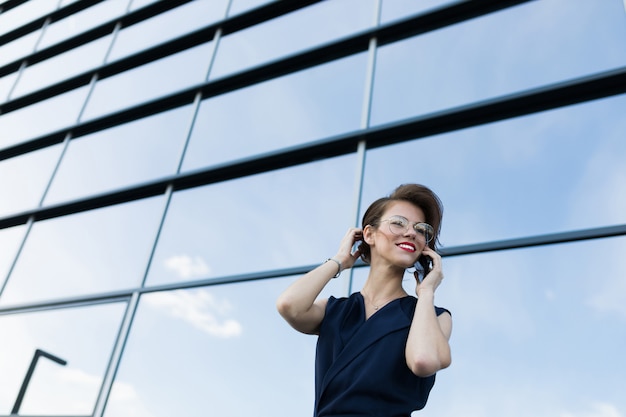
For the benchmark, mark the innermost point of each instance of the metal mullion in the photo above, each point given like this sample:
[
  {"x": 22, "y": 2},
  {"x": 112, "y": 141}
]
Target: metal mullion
[
  {"x": 116, "y": 356},
  {"x": 29, "y": 226},
  {"x": 155, "y": 242},
  {"x": 361, "y": 152}
]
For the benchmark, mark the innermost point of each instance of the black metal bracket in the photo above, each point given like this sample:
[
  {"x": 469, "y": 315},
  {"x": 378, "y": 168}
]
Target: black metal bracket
[{"x": 29, "y": 374}]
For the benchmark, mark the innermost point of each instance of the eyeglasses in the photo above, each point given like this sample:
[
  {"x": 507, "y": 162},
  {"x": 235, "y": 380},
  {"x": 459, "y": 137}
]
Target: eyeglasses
[{"x": 399, "y": 225}]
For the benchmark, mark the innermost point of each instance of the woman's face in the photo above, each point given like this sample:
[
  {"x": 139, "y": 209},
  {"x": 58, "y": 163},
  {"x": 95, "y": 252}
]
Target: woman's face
[{"x": 396, "y": 240}]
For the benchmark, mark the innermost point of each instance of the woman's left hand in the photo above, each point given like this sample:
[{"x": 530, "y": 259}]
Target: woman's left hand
[{"x": 432, "y": 280}]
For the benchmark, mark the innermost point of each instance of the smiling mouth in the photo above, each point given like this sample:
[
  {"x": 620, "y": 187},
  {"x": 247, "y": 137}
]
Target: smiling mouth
[{"x": 406, "y": 246}]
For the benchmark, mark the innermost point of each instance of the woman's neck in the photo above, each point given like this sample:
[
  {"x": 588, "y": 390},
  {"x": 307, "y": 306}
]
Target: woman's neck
[{"x": 383, "y": 284}]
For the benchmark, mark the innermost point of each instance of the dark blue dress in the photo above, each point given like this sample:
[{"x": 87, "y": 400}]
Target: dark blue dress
[{"x": 360, "y": 367}]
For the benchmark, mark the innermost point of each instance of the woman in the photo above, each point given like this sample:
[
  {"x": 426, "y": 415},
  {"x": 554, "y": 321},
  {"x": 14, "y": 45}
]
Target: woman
[{"x": 379, "y": 349}]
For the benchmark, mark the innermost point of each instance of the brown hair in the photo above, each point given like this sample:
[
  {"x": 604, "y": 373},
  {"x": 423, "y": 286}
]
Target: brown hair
[{"x": 416, "y": 194}]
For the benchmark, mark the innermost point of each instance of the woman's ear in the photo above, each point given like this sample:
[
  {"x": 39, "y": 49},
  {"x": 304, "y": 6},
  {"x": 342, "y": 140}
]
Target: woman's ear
[{"x": 368, "y": 231}]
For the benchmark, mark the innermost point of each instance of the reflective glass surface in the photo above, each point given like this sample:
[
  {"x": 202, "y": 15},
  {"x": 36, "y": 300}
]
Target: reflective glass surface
[
  {"x": 81, "y": 336},
  {"x": 138, "y": 4},
  {"x": 18, "y": 195},
  {"x": 10, "y": 240},
  {"x": 240, "y": 6},
  {"x": 24, "y": 13},
  {"x": 267, "y": 41},
  {"x": 146, "y": 82},
  {"x": 533, "y": 323},
  {"x": 50, "y": 115},
  {"x": 521, "y": 47},
  {"x": 563, "y": 171},
  {"x": 83, "y": 21},
  {"x": 129, "y": 154},
  {"x": 55, "y": 69},
  {"x": 176, "y": 22},
  {"x": 282, "y": 112},
  {"x": 399, "y": 9},
  {"x": 256, "y": 223},
  {"x": 225, "y": 342},
  {"x": 18, "y": 48},
  {"x": 6, "y": 84},
  {"x": 96, "y": 251}
]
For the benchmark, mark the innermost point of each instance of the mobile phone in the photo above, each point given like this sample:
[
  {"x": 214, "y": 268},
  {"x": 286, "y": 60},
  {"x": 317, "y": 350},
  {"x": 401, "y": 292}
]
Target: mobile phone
[{"x": 423, "y": 266}]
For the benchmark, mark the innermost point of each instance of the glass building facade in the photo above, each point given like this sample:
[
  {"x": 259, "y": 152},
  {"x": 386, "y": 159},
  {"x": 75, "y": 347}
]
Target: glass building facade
[{"x": 167, "y": 168}]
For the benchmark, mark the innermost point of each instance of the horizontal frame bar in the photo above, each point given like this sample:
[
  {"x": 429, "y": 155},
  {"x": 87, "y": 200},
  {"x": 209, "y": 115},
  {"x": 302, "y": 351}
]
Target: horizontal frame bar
[{"x": 509, "y": 244}]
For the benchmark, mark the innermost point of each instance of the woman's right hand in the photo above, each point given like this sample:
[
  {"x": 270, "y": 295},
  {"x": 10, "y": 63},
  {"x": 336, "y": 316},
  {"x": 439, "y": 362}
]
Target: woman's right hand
[{"x": 345, "y": 255}]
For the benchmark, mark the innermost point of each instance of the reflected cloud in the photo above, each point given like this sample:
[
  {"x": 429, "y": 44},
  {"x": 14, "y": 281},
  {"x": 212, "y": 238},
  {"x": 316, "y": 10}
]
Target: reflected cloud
[
  {"x": 125, "y": 401},
  {"x": 199, "y": 308},
  {"x": 598, "y": 410},
  {"x": 187, "y": 267}
]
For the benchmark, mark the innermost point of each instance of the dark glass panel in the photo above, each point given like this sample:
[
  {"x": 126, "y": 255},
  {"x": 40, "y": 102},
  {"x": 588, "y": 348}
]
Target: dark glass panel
[
  {"x": 82, "y": 21},
  {"x": 18, "y": 48},
  {"x": 399, "y": 9},
  {"x": 308, "y": 27},
  {"x": 226, "y": 342},
  {"x": 24, "y": 178},
  {"x": 149, "y": 81},
  {"x": 176, "y": 22},
  {"x": 96, "y": 251},
  {"x": 56, "y": 69},
  {"x": 41, "y": 118},
  {"x": 522, "y": 47},
  {"x": 10, "y": 240},
  {"x": 286, "y": 111},
  {"x": 240, "y": 6},
  {"x": 82, "y": 336},
  {"x": 544, "y": 173},
  {"x": 24, "y": 13},
  {"x": 129, "y": 154},
  {"x": 280, "y": 219}
]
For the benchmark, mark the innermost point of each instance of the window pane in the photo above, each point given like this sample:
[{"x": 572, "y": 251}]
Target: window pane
[
  {"x": 55, "y": 69},
  {"x": 96, "y": 251},
  {"x": 519, "y": 48},
  {"x": 550, "y": 172},
  {"x": 18, "y": 48},
  {"x": 265, "y": 219},
  {"x": 24, "y": 13},
  {"x": 544, "y": 320},
  {"x": 10, "y": 240},
  {"x": 241, "y": 6},
  {"x": 398, "y": 9},
  {"x": 149, "y": 81},
  {"x": 226, "y": 342},
  {"x": 82, "y": 336},
  {"x": 311, "y": 26},
  {"x": 23, "y": 179},
  {"x": 274, "y": 114},
  {"x": 6, "y": 83},
  {"x": 132, "y": 153},
  {"x": 138, "y": 4},
  {"x": 83, "y": 21},
  {"x": 179, "y": 21},
  {"x": 44, "y": 117}
]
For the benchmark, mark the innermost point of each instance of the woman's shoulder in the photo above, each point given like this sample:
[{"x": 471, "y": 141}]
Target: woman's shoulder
[
  {"x": 338, "y": 302},
  {"x": 409, "y": 302}
]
